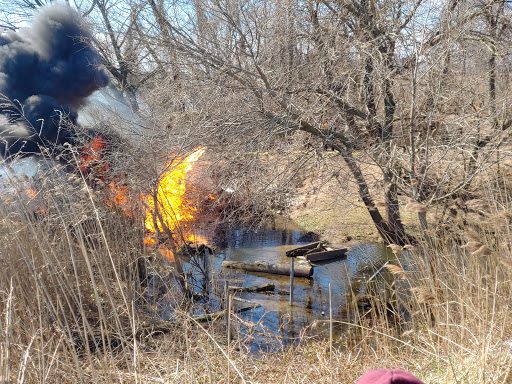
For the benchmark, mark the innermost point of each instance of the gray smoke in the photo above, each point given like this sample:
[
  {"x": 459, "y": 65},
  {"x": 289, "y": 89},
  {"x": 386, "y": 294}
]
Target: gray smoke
[{"x": 46, "y": 73}]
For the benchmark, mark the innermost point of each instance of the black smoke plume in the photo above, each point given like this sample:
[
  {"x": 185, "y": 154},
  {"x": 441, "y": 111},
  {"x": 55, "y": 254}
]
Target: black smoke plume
[{"x": 46, "y": 73}]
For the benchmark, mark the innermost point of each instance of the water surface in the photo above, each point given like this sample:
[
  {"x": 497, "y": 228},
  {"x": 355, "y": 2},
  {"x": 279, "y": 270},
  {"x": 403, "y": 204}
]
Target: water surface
[{"x": 311, "y": 295}]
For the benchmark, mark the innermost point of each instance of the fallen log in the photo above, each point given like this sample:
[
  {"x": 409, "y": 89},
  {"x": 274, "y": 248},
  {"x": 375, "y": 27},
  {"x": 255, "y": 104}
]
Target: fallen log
[
  {"x": 326, "y": 255},
  {"x": 254, "y": 288},
  {"x": 261, "y": 266},
  {"x": 300, "y": 251}
]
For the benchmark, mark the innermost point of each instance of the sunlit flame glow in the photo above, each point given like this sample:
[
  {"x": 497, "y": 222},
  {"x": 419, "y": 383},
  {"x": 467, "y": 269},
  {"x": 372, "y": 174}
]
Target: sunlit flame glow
[
  {"x": 166, "y": 252},
  {"x": 32, "y": 193},
  {"x": 119, "y": 196},
  {"x": 171, "y": 210},
  {"x": 149, "y": 240},
  {"x": 93, "y": 164}
]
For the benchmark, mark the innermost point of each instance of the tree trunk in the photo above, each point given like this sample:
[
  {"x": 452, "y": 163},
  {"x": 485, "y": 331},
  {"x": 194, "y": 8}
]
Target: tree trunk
[
  {"x": 131, "y": 96},
  {"x": 394, "y": 233}
]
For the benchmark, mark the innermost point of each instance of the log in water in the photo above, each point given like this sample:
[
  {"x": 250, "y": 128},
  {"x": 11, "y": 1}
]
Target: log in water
[
  {"x": 326, "y": 255},
  {"x": 254, "y": 288},
  {"x": 300, "y": 251},
  {"x": 261, "y": 266}
]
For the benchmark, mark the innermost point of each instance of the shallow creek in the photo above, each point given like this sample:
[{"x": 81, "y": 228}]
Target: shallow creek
[{"x": 311, "y": 296}]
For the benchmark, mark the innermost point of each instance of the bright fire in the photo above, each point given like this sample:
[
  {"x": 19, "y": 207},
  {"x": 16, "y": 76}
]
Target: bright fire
[
  {"x": 91, "y": 159},
  {"x": 174, "y": 211},
  {"x": 171, "y": 210},
  {"x": 93, "y": 165}
]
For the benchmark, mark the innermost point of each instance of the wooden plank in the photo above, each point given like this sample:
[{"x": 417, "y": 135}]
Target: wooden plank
[
  {"x": 300, "y": 251},
  {"x": 261, "y": 266},
  {"x": 326, "y": 255}
]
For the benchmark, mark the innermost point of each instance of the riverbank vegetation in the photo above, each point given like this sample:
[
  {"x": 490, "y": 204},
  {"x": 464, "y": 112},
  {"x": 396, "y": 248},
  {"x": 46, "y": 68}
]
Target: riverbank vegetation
[
  {"x": 82, "y": 302},
  {"x": 384, "y": 120}
]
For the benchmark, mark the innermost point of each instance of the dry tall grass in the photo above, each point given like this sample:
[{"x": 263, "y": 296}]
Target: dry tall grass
[{"x": 75, "y": 307}]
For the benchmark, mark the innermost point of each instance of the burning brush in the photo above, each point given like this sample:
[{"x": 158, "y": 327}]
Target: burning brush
[
  {"x": 168, "y": 211},
  {"x": 47, "y": 72},
  {"x": 96, "y": 169},
  {"x": 167, "y": 208}
]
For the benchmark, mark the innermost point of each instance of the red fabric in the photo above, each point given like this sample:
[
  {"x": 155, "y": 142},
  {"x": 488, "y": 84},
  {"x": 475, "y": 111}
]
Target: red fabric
[{"x": 384, "y": 376}]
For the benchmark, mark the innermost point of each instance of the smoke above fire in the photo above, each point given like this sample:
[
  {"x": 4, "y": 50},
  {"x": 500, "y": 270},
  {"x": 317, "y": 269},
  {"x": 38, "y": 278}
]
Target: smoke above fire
[{"x": 46, "y": 73}]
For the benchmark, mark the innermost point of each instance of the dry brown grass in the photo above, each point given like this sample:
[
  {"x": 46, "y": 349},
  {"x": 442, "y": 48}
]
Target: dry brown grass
[{"x": 73, "y": 308}]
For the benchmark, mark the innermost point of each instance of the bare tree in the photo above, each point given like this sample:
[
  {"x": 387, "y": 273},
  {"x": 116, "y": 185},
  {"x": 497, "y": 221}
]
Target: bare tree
[
  {"x": 244, "y": 44},
  {"x": 402, "y": 83},
  {"x": 383, "y": 77}
]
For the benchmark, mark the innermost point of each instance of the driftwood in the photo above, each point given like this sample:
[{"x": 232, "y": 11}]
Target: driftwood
[
  {"x": 326, "y": 255},
  {"x": 301, "y": 251},
  {"x": 217, "y": 315},
  {"x": 316, "y": 251},
  {"x": 254, "y": 288},
  {"x": 261, "y": 266}
]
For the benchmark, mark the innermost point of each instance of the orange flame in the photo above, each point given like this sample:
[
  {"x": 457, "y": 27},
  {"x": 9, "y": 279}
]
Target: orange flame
[
  {"x": 119, "y": 196},
  {"x": 93, "y": 164},
  {"x": 167, "y": 205},
  {"x": 171, "y": 209},
  {"x": 32, "y": 194},
  {"x": 92, "y": 156}
]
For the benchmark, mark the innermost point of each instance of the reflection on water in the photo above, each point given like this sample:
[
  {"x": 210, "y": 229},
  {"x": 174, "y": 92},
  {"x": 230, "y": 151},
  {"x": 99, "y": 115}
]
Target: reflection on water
[{"x": 311, "y": 296}]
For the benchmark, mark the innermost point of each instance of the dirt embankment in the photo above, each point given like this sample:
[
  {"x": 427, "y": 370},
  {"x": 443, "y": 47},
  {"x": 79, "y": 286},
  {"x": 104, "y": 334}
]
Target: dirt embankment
[{"x": 329, "y": 205}]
